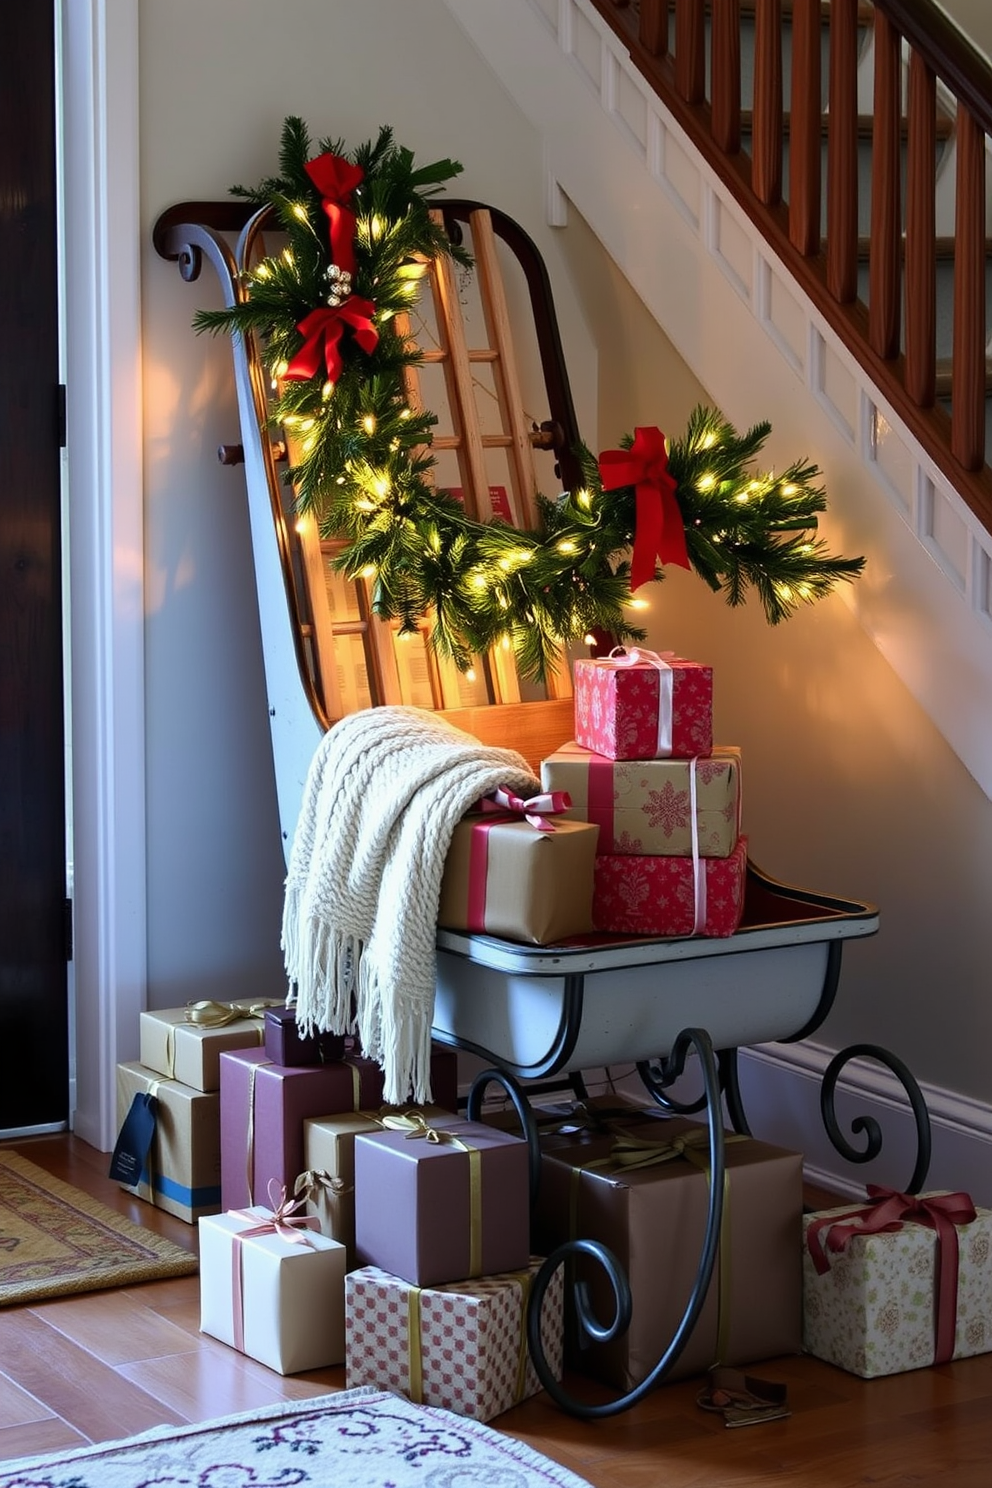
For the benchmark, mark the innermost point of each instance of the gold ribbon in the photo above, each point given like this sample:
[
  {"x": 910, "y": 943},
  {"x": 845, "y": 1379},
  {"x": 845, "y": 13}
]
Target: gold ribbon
[
  {"x": 414, "y": 1124},
  {"x": 310, "y": 1183},
  {"x": 630, "y": 1153},
  {"x": 414, "y": 1347},
  {"x": 525, "y": 1280},
  {"x": 209, "y": 1014}
]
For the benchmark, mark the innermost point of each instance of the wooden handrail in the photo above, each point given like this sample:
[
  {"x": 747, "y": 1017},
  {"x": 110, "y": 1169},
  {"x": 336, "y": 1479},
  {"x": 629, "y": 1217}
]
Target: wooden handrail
[{"x": 901, "y": 276}]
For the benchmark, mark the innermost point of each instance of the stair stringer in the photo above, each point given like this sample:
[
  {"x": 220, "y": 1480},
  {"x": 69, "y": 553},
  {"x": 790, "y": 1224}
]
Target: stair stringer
[{"x": 728, "y": 303}]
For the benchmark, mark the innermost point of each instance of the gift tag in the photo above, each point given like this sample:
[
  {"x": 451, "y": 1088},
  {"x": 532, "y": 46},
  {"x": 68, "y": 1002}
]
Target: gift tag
[{"x": 135, "y": 1140}]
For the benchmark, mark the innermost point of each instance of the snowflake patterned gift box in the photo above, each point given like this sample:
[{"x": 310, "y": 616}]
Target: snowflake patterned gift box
[
  {"x": 646, "y": 807},
  {"x": 899, "y": 1284},
  {"x": 461, "y": 1346},
  {"x": 272, "y": 1287},
  {"x": 444, "y": 1204},
  {"x": 643, "y": 705},
  {"x": 670, "y": 896}
]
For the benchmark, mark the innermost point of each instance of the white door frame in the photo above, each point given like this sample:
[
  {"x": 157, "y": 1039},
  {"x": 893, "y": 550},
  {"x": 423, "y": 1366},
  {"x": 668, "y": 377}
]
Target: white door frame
[{"x": 102, "y": 288}]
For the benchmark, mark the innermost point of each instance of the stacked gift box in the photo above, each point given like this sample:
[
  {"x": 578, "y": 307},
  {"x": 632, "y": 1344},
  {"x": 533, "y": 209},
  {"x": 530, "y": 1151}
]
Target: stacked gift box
[
  {"x": 175, "y": 1084},
  {"x": 671, "y": 859}
]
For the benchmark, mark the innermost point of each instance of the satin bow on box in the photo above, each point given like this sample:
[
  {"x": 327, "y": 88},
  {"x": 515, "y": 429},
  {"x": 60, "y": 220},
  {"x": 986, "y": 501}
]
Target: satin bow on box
[{"x": 534, "y": 810}]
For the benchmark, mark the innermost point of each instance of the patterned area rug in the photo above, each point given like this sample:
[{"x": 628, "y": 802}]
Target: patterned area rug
[
  {"x": 55, "y": 1241},
  {"x": 359, "y": 1438}
]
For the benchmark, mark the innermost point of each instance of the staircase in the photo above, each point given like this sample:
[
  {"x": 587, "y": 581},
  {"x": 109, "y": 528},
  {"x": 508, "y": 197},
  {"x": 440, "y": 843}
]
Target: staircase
[{"x": 753, "y": 247}]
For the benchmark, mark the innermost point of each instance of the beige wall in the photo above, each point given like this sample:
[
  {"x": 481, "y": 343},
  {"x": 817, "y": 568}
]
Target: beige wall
[{"x": 974, "y": 17}]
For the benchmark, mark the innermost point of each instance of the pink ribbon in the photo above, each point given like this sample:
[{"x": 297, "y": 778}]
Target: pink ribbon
[
  {"x": 284, "y": 1221},
  {"x": 503, "y": 806},
  {"x": 887, "y": 1212},
  {"x": 637, "y": 656}
]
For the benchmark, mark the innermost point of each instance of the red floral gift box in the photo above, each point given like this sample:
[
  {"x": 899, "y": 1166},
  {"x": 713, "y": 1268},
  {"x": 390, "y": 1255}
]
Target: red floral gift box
[
  {"x": 670, "y": 896},
  {"x": 644, "y": 705}
]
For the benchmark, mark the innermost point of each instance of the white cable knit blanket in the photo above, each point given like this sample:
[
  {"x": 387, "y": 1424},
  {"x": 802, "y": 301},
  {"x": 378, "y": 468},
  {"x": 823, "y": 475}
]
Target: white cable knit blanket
[{"x": 385, "y": 790}]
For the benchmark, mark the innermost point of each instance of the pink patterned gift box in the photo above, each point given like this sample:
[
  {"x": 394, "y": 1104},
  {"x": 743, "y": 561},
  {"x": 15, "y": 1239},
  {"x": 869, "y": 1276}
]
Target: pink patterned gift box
[
  {"x": 666, "y": 896},
  {"x": 462, "y": 1346},
  {"x": 630, "y": 708},
  {"x": 645, "y": 807}
]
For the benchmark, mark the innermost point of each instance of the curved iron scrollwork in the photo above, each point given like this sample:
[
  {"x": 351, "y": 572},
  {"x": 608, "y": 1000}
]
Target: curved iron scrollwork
[
  {"x": 473, "y": 1111},
  {"x": 867, "y": 1124},
  {"x": 591, "y": 1328}
]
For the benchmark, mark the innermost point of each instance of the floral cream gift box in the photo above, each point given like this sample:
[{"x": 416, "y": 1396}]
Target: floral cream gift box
[
  {"x": 462, "y": 1346},
  {"x": 272, "y": 1287},
  {"x": 651, "y": 806},
  {"x": 644, "y": 705},
  {"x": 898, "y": 1284}
]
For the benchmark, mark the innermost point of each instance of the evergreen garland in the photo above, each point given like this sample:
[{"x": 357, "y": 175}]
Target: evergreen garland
[{"x": 359, "y": 233}]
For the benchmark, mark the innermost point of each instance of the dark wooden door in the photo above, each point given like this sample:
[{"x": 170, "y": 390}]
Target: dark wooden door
[{"x": 34, "y": 1084}]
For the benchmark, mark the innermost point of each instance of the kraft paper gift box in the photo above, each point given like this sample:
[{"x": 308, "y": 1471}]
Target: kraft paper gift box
[
  {"x": 888, "y": 1302},
  {"x": 645, "y": 807},
  {"x": 182, "y": 1171},
  {"x": 507, "y": 878},
  {"x": 263, "y": 1107},
  {"x": 670, "y": 896},
  {"x": 653, "y": 1219},
  {"x": 186, "y": 1043},
  {"x": 286, "y": 1045},
  {"x": 328, "y": 1180},
  {"x": 643, "y": 709},
  {"x": 462, "y": 1347},
  {"x": 432, "y": 1211},
  {"x": 278, "y": 1297}
]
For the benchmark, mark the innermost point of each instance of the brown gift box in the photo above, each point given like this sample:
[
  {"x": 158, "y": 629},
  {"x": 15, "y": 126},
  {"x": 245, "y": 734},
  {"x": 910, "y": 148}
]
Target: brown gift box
[
  {"x": 182, "y": 1172},
  {"x": 328, "y": 1179},
  {"x": 510, "y": 879},
  {"x": 653, "y": 1219},
  {"x": 642, "y": 807},
  {"x": 176, "y": 1045}
]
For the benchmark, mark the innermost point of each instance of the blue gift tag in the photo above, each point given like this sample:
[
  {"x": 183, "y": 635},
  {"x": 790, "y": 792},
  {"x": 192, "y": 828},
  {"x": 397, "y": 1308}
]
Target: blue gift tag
[{"x": 135, "y": 1140}]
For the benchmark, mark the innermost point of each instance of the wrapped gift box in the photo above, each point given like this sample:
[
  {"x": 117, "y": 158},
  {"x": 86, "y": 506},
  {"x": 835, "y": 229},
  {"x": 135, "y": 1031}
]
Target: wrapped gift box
[
  {"x": 645, "y": 806},
  {"x": 504, "y": 877},
  {"x": 665, "y": 896},
  {"x": 875, "y": 1310},
  {"x": 328, "y": 1181},
  {"x": 263, "y": 1107},
  {"x": 176, "y": 1043},
  {"x": 182, "y": 1171},
  {"x": 643, "y": 711},
  {"x": 439, "y": 1211},
  {"x": 278, "y": 1299},
  {"x": 469, "y": 1353},
  {"x": 286, "y": 1045},
  {"x": 653, "y": 1219}
]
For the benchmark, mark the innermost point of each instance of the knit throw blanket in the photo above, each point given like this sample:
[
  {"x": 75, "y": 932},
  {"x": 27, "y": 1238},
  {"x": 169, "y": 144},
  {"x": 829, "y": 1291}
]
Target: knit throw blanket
[{"x": 384, "y": 792}]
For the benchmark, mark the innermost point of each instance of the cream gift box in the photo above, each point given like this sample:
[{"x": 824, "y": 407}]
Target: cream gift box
[
  {"x": 877, "y": 1307},
  {"x": 278, "y": 1295},
  {"x": 646, "y": 807},
  {"x": 186, "y": 1043},
  {"x": 461, "y": 1346}
]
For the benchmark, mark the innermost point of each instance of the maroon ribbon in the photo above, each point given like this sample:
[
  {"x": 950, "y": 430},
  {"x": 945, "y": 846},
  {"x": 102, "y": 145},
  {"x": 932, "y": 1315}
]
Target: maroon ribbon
[
  {"x": 658, "y": 528},
  {"x": 336, "y": 178},
  {"x": 322, "y": 330},
  {"x": 887, "y": 1212}
]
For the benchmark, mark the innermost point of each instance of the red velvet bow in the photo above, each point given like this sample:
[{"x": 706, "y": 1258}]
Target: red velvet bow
[
  {"x": 888, "y": 1211},
  {"x": 336, "y": 178},
  {"x": 322, "y": 330},
  {"x": 659, "y": 529},
  {"x": 509, "y": 804}
]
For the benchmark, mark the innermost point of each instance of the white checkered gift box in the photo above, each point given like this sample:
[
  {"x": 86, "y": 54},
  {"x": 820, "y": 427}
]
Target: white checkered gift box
[{"x": 472, "y": 1355}]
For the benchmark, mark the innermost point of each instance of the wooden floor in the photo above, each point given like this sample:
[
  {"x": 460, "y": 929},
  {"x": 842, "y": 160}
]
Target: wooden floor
[{"x": 106, "y": 1365}]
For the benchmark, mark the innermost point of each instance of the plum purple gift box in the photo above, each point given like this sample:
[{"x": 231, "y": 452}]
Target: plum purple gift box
[
  {"x": 463, "y": 1192},
  {"x": 263, "y": 1107}
]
